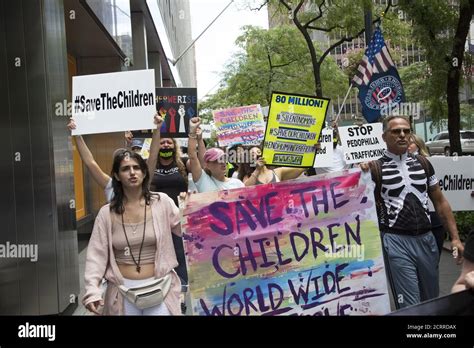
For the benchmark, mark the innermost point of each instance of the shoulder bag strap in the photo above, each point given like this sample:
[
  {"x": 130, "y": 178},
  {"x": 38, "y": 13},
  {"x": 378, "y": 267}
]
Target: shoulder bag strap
[
  {"x": 376, "y": 173},
  {"x": 424, "y": 163}
]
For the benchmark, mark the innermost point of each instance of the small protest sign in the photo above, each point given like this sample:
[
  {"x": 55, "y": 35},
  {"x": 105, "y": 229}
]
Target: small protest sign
[
  {"x": 176, "y": 106},
  {"x": 145, "y": 151},
  {"x": 362, "y": 143},
  {"x": 206, "y": 131},
  {"x": 113, "y": 102},
  {"x": 325, "y": 150},
  {"x": 240, "y": 125},
  {"x": 293, "y": 129}
]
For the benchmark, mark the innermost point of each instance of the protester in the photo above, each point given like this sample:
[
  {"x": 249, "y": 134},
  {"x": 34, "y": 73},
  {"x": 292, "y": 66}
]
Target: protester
[
  {"x": 166, "y": 178},
  {"x": 131, "y": 245},
  {"x": 237, "y": 152},
  {"x": 213, "y": 176},
  {"x": 263, "y": 174},
  {"x": 100, "y": 177},
  {"x": 247, "y": 168},
  {"x": 136, "y": 145},
  {"x": 402, "y": 190},
  {"x": 466, "y": 279},
  {"x": 417, "y": 146},
  {"x": 171, "y": 177}
]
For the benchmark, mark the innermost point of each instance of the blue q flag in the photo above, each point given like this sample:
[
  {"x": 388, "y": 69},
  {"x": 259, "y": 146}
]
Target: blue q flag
[{"x": 378, "y": 81}]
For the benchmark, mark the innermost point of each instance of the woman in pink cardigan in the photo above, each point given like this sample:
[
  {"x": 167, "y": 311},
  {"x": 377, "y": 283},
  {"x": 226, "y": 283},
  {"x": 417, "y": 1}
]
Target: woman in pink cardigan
[{"x": 131, "y": 243}]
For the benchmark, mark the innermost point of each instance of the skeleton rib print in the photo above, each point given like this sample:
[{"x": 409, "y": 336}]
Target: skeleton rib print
[{"x": 405, "y": 193}]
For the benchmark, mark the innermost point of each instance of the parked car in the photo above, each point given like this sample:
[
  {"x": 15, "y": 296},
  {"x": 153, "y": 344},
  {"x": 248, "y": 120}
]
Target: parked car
[{"x": 440, "y": 143}]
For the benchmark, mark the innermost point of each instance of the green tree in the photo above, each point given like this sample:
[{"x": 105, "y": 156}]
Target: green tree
[
  {"x": 271, "y": 60},
  {"x": 419, "y": 88},
  {"x": 416, "y": 82},
  {"x": 341, "y": 20},
  {"x": 441, "y": 29}
]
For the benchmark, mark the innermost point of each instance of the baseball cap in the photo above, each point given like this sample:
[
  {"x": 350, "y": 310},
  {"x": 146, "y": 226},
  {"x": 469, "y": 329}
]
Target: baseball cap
[
  {"x": 213, "y": 154},
  {"x": 137, "y": 143}
]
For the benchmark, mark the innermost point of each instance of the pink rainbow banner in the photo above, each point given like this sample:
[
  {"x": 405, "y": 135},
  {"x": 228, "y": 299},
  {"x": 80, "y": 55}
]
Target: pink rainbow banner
[
  {"x": 240, "y": 125},
  {"x": 307, "y": 247}
]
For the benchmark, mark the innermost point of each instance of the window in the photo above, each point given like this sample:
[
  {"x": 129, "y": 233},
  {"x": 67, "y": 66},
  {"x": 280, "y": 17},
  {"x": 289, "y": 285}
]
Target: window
[
  {"x": 467, "y": 135},
  {"x": 443, "y": 136}
]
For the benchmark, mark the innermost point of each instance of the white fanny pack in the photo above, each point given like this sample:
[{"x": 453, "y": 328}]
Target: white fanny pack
[{"x": 149, "y": 294}]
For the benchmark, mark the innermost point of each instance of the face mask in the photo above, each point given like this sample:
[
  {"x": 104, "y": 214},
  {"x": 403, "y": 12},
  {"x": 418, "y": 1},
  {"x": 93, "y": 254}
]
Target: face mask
[{"x": 166, "y": 153}]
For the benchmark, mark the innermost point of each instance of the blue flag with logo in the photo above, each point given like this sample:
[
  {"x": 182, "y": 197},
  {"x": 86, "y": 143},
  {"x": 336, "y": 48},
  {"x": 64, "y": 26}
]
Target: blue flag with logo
[{"x": 380, "y": 87}]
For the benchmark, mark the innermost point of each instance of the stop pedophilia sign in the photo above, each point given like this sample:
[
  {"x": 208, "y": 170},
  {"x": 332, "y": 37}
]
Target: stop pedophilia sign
[{"x": 362, "y": 143}]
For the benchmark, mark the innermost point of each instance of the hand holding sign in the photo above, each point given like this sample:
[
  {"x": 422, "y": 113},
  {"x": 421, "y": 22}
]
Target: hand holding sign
[
  {"x": 71, "y": 124},
  {"x": 128, "y": 137}
]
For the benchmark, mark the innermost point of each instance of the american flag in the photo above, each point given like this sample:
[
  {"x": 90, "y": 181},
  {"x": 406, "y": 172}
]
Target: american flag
[{"x": 376, "y": 60}]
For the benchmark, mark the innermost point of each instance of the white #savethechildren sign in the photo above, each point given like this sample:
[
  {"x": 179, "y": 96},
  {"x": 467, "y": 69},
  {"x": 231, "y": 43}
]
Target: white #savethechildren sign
[{"x": 113, "y": 102}]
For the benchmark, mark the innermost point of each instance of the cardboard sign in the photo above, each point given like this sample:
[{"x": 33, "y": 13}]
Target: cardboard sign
[
  {"x": 362, "y": 143},
  {"x": 293, "y": 129},
  {"x": 325, "y": 152},
  {"x": 145, "y": 151},
  {"x": 307, "y": 247},
  {"x": 113, "y": 102},
  {"x": 176, "y": 106},
  {"x": 456, "y": 180},
  {"x": 240, "y": 125}
]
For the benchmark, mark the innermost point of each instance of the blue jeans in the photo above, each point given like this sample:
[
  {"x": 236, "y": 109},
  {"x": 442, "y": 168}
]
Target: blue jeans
[{"x": 412, "y": 262}]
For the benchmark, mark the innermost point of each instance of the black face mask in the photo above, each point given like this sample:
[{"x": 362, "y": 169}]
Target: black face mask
[{"x": 166, "y": 153}]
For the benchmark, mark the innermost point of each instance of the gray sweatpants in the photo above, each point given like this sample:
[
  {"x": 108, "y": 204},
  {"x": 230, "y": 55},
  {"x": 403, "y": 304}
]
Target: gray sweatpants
[{"x": 413, "y": 267}]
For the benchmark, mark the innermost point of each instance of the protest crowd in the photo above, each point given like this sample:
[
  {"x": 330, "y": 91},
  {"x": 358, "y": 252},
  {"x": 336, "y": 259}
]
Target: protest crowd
[
  {"x": 136, "y": 243},
  {"x": 288, "y": 215}
]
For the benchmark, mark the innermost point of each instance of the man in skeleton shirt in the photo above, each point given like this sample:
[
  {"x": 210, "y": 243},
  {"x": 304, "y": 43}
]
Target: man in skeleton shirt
[{"x": 402, "y": 189}]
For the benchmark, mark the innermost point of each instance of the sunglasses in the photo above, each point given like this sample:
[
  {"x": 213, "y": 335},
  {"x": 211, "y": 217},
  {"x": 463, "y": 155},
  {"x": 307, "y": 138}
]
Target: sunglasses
[{"x": 398, "y": 131}]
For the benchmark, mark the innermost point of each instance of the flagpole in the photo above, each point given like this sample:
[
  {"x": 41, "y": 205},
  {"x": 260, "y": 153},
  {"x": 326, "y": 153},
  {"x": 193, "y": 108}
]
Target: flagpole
[{"x": 342, "y": 105}]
